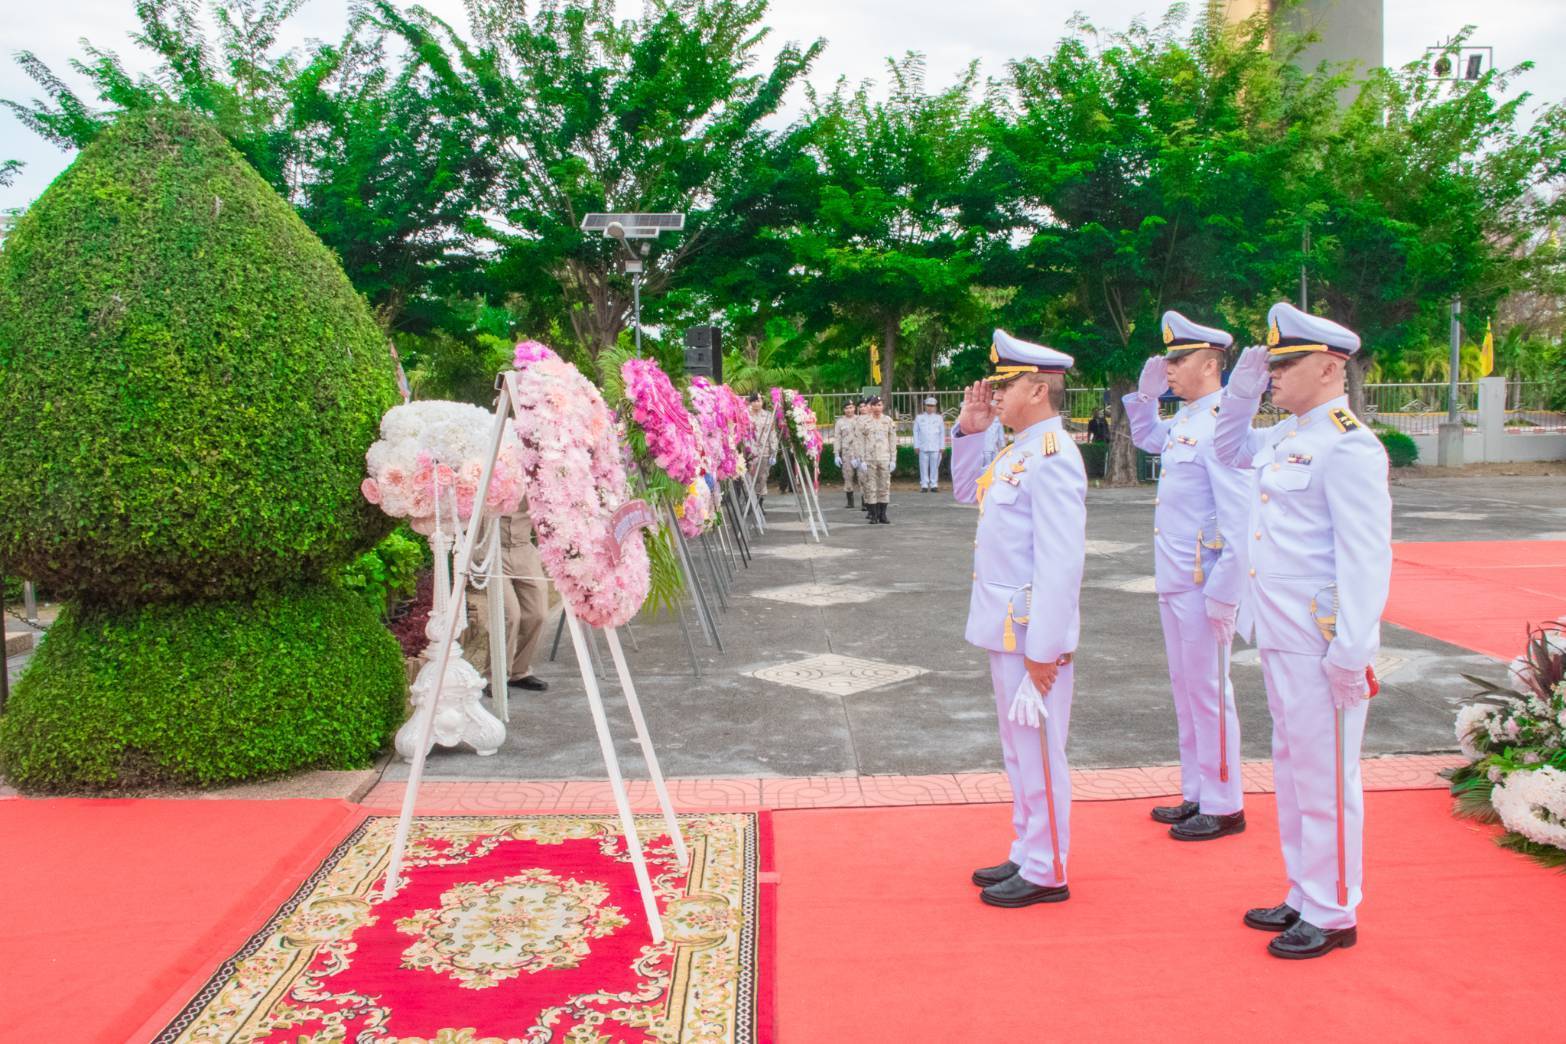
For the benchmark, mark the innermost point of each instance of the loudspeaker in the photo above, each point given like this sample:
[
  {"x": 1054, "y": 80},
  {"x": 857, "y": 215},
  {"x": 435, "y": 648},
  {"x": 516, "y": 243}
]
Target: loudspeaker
[{"x": 704, "y": 353}]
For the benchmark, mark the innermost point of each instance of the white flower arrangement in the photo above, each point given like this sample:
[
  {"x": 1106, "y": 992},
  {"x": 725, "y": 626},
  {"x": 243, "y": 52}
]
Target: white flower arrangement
[{"x": 1533, "y": 804}]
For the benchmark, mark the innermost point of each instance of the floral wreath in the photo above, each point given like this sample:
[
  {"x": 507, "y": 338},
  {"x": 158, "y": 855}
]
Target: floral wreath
[
  {"x": 723, "y": 421},
  {"x": 575, "y": 477},
  {"x": 799, "y": 420},
  {"x": 428, "y": 461},
  {"x": 661, "y": 414}
]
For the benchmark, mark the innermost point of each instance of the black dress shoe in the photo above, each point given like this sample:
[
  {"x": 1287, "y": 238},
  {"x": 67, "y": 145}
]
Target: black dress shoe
[
  {"x": 989, "y": 875},
  {"x": 1304, "y": 941},
  {"x": 1017, "y": 890},
  {"x": 532, "y": 682},
  {"x": 1175, "y": 813},
  {"x": 1203, "y": 827},
  {"x": 1271, "y": 918}
]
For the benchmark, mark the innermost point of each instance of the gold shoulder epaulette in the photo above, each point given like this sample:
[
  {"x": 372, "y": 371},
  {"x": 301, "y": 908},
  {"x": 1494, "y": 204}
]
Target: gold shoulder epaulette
[
  {"x": 1345, "y": 420},
  {"x": 1051, "y": 447}
]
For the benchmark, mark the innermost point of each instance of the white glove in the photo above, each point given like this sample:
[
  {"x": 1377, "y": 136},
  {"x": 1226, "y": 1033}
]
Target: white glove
[
  {"x": 857, "y": 463},
  {"x": 1155, "y": 377},
  {"x": 1220, "y": 617},
  {"x": 1348, "y": 687},
  {"x": 1027, "y": 706},
  {"x": 1249, "y": 379}
]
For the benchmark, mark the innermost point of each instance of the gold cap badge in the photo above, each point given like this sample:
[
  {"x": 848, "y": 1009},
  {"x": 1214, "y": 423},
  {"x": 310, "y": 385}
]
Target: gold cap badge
[
  {"x": 1273, "y": 335},
  {"x": 1168, "y": 334}
]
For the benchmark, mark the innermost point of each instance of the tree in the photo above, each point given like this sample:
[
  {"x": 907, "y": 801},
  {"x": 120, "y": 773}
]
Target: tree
[
  {"x": 1145, "y": 174},
  {"x": 1431, "y": 190},
  {"x": 659, "y": 113},
  {"x": 379, "y": 152},
  {"x": 889, "y": 239}
]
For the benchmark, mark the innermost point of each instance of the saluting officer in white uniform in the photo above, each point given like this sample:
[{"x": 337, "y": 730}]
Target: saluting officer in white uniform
[
  {"x": 1200, "y": 512},
  {"x": 1320, "y": 549},
  {"x": 1027, "y": 576}
]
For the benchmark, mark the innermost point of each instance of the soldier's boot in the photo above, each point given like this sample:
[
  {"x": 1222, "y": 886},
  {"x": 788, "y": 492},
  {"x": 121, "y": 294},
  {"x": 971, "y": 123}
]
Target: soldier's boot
[
  {"x": 881, "y": 507},
  {"x": 870, "y": 512},
  {"x": 850, "y": 497}
]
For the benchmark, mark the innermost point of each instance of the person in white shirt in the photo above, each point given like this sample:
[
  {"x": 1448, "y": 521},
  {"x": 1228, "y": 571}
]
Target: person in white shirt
[
  {"x": 929, "y": 439},
  {"x": 1319, "y": 543},
  {"x": 1199, "y": 518}
]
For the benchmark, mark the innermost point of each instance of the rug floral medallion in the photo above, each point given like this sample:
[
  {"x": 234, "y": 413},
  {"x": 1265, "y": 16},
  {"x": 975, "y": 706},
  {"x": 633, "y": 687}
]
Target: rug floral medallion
[{"x": 506, "y": 930}]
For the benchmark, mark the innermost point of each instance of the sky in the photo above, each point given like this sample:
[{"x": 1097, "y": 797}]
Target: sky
[{"x": 860, "y": 35}]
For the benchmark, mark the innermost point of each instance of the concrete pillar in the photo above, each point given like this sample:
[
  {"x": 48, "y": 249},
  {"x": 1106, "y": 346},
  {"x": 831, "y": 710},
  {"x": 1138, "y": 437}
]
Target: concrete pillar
[
  {"x": 1492, "y": 417},
  {"x": 1449, "y": 444}
]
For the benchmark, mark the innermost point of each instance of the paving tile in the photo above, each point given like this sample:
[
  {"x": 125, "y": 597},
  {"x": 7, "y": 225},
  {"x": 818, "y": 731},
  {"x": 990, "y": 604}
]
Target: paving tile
[
  {"x": 984, "y": 787},
  {"x": 813, "y": 792},
  {"x": 817, "y": 594},
  {"x": 911, "y": 790},
  {"x": 837, "y": 675}
]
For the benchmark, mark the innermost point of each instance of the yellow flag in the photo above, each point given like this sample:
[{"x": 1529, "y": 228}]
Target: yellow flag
[
  {"x": 1487, "y": 352},
  {"x": 875, "y": 364}
]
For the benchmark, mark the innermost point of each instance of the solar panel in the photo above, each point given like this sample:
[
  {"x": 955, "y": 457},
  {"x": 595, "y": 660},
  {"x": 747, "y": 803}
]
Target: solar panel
[{"x": 637, "y": 226}]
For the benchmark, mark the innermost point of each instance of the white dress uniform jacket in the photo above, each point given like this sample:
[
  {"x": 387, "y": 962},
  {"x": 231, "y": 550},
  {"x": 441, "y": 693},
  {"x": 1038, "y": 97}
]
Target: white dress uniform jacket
[
  {"x": 1320, "y": 534},
  {"x": 1027, "y": 579},
  {"x": 1199, "y": 520}
]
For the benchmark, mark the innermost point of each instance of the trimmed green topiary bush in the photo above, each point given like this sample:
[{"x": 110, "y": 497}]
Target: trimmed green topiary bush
[
  {"x": 188, "y": 384},
  {"x": 1401, "y": 449},
  {"x": 204, "y": 693},
  {"x": 188, "y": 381}
]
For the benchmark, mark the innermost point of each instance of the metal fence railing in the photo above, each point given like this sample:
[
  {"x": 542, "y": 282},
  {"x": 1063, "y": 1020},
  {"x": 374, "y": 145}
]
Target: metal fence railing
[
  {"x": 1415, "y": 408},
  {"x": 1528, "y": 409}
]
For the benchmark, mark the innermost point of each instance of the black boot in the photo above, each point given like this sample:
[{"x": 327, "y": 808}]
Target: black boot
[
  {"x": 850, "y": 498},
  {"x": 881, "y": 507},
  {"x": 870, "y": 514}
]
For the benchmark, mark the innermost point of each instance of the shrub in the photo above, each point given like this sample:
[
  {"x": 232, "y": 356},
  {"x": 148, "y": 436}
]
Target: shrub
[
  {"x": 1401, "y": 450},
  {"x": 188, "y": 382},
  {"x": 204, "y": 693},
  {"x": 389, "y": 571}
]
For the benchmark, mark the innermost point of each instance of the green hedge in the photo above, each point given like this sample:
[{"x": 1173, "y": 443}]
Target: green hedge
[
  {"x": 188, "y": 382},
  {"x": 1401, "y": 449},
  {"x": 206, "y": 693}
]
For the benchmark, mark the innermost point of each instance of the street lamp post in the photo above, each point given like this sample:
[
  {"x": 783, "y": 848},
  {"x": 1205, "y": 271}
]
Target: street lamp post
[{"x": 624, "y": 228}]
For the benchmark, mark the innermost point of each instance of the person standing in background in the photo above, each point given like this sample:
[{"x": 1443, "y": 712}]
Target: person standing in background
[
  {"x": 929, "y": 439},
  {"x": 845, "y": 443}
]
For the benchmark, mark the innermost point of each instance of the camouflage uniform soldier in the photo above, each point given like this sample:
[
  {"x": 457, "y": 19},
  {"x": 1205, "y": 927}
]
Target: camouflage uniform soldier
[
  {"x": 878, "y": 444},
  {"x": 845, "y": 447}
]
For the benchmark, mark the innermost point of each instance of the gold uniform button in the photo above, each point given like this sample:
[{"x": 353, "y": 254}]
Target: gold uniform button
[
  {"x": 1292, "y": 434},
  {"x": 1155, "y": 529},
  {"x": 1264, "y": 498},
  {"x": 1155, "y": 501},
  {"x": 1253, "y": 572},
  {"x": 1258, "y": 534},
  {"x": 975, "y": 576}
]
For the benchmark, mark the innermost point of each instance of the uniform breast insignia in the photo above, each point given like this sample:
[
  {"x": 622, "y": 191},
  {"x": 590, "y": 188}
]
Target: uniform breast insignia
[
  {"x": 1185, "y": 440},
  {"x": 983, "y": 483},
  {"x": 1298, "y": 458},
  {"x": 1345, "y": 420},
  {"x": 1051, "y": 445}
]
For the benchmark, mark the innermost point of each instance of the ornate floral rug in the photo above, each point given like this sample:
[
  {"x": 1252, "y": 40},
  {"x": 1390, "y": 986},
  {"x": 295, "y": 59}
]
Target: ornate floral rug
[{"x": 508, "y": 930}]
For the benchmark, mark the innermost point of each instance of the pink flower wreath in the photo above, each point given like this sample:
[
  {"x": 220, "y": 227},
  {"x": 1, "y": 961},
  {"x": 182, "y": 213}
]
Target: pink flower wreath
[
  {"x": 660, "y": 412},
  {"x": 575, "y": 482}
]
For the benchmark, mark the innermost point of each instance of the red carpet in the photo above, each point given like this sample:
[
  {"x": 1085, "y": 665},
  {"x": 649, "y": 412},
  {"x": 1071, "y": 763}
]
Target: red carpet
[
  {"x": 882, "y": 938},
  {"x": 1478, "y": 594},
  {"x": 508, "y": 928},
  {"x": 112, "y": 908}
]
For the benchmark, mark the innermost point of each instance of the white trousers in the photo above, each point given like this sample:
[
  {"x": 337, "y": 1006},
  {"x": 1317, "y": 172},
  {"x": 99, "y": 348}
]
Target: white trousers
[
  {"x": 929, "y": 469},
  {"x": 1032, "y": 849},
  {"x": 1304, "y": 767},
  {"x": 1193, "y": 678}
]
